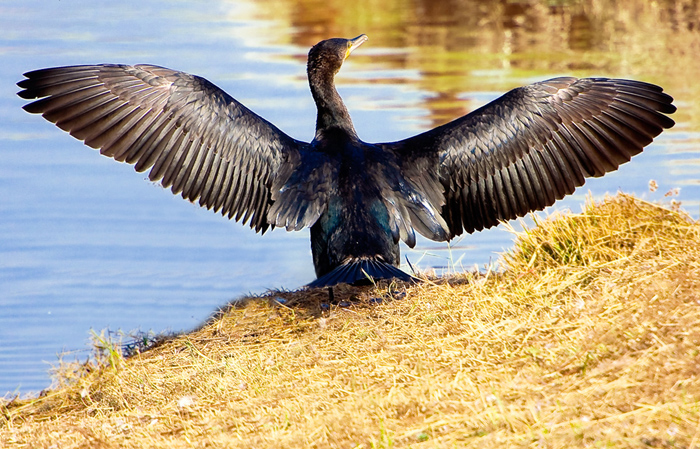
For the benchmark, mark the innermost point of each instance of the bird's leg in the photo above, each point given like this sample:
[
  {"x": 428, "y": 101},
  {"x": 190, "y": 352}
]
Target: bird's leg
[{"x": 330, "y": 295}]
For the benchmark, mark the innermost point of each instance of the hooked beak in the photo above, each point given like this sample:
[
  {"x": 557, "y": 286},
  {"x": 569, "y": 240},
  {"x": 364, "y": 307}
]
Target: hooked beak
[{"x": 354, "y": 43}]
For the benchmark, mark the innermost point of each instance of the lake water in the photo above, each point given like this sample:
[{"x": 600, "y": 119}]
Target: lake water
[{"x": 87, "y": 244}]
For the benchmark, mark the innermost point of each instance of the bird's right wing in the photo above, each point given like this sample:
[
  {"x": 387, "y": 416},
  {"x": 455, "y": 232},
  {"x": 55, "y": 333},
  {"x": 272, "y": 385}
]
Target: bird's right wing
[
  {"x": 535, "y": 144},
  {"x": 195, "y": 138}
]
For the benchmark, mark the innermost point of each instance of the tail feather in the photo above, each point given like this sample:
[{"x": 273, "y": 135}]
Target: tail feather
[{"x": 361, "y": 270}]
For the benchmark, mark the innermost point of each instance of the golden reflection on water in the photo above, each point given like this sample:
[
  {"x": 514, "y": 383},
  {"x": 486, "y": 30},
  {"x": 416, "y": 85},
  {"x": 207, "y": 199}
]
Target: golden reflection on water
[{"x": 461, "y": 46}]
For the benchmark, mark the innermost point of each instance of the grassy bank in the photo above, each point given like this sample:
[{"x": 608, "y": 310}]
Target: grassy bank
[{"x": 590, "y": 337}]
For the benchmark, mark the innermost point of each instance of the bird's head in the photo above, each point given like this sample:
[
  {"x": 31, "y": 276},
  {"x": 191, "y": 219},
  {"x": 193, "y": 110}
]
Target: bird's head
[{"x": 328, "y": 56}]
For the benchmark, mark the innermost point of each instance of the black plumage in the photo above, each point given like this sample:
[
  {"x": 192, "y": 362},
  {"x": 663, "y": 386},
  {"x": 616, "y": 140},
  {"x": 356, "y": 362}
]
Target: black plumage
[{"x": 517, "y": 154}]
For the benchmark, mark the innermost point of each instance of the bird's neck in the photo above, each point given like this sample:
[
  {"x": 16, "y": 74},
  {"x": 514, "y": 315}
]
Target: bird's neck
[{"x": 332, "y": 113}]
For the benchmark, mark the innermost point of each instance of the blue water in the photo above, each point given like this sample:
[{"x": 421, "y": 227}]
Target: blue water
[{"x": 88, "y": 244}]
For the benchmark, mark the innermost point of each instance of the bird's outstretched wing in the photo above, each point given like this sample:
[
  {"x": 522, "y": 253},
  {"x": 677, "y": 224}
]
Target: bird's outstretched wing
[
  {"x": 536, "y": 144},
  {"x": 194, "y": 138}
]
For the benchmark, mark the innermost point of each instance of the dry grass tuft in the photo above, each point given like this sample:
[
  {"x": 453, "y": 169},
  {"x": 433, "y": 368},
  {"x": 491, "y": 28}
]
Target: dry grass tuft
[{"x": 588, "y": 338}]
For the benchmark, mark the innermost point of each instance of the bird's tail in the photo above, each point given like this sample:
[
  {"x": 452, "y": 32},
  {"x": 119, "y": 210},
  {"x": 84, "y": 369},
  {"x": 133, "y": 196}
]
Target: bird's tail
[{"x": 359, "y": 271}]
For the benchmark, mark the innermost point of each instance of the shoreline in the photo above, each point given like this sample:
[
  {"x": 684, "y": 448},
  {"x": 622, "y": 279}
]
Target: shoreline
[{"x": 589, "y": 335}]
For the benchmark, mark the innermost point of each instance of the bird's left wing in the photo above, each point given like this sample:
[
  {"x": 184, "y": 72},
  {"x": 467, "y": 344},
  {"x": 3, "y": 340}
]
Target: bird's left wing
[
  {"x": 533, "y": 145},
  {"x": 194, "y": 138}
]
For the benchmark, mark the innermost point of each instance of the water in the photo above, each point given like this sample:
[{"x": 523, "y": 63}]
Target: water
[{"x": 87, "y": 244}]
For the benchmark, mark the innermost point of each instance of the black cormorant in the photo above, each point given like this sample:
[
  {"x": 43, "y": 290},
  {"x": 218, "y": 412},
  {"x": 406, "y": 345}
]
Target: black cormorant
[{"x": 517, "y": 154}]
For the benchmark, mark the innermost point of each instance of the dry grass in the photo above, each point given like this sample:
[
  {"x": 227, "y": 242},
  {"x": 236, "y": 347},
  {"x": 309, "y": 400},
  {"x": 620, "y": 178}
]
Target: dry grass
[{"x": 590, "y": 338}]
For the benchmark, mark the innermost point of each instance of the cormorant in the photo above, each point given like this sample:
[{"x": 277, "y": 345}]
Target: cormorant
[{"x": 517, "y": 154}]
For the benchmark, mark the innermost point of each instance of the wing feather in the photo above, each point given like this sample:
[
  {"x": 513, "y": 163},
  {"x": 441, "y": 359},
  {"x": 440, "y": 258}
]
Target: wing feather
[
  {"x": 536, "y": 144},
  {"x": 193, "y": 137}
]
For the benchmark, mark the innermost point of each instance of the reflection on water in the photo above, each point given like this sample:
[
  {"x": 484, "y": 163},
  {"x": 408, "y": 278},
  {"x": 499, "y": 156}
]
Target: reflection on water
[
  {"x": 503, "y": 42},
  {"x": 85, "y": 242}
]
